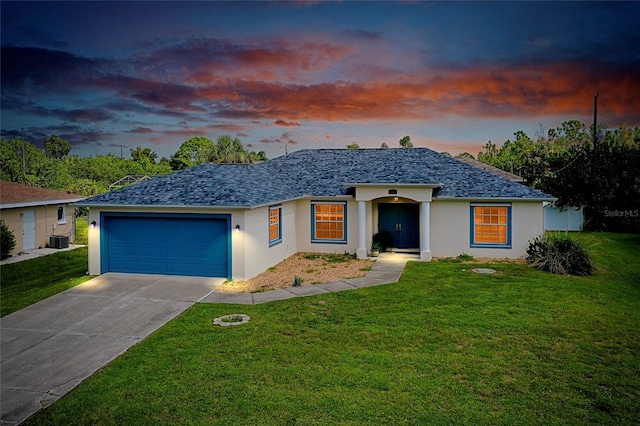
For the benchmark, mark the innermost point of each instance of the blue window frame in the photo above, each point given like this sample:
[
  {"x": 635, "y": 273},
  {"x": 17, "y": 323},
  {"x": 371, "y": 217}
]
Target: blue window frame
[
  {"x": 328, "y": 222},
  {"x": 275, "y": 225},
  {"x": 490, "y": 225}
]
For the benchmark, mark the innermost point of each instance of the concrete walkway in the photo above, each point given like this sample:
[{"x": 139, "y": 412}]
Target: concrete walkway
[
  {"x": 387, "y": 269},
  {"x": 50, "y": 347}
]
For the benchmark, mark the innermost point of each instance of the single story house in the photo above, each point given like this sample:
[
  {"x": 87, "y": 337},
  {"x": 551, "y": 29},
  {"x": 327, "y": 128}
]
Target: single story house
[
  {"x": 35, "y": 214},
  {"x": 237, "y": 220}
]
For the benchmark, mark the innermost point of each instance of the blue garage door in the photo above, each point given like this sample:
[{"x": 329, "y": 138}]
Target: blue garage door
[{"x": 162, "y": 244}]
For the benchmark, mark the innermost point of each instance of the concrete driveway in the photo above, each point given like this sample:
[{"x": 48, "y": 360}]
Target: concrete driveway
[{"x": 49, "y": 348}]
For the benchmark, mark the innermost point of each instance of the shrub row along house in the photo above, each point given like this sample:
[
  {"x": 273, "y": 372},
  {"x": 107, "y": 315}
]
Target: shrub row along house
[{"x": 235, "y": 221}]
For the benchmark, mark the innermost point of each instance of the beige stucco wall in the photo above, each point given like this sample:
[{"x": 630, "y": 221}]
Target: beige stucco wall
[
  {"x": 416, "y": 193},
  {"x": 257, "y": 254},
  {"x": 251, "y": 254},
  {"x": 451, "y": 227},
  {"x": 46, "y": 224}
]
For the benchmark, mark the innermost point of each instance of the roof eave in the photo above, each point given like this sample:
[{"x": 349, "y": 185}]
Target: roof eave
[
  {"x": 386, "y": 185},
  {"x": 188, "y": 206},
  {"x": 492, "y": 199},
  {"x": 39, "y": 203},
  {"x": 159, "y": 206}
]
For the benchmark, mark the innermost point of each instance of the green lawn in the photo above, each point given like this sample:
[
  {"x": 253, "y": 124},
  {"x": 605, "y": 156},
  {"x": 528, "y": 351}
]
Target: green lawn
[
  {"x": 27, "y": 282},
  {"x": 82, "y": 230},
  {"x": 443, "y": 346}
]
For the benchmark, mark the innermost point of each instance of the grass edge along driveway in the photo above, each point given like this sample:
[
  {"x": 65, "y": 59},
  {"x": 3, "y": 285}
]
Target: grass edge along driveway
[
  {"x": 442, "y": 346},
  {"x": 30, "y": 281}
]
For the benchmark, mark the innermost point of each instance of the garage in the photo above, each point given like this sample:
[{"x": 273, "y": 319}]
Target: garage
[{"x": 172, "y": 244}]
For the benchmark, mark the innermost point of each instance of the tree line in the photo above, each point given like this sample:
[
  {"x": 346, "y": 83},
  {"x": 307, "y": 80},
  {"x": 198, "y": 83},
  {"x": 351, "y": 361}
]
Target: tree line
[
  {"x": 600, "y": 172},
  {"x": 53, "y": 167}
]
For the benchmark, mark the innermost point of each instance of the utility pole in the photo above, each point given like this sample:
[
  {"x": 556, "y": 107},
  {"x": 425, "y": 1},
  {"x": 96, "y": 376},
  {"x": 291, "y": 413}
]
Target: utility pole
[
  {"x": 595, "y": 121},
  {"x": 594, "y": 154},
  {"x": 121, "y": 146},
  {"x": 24, "y": 161}
]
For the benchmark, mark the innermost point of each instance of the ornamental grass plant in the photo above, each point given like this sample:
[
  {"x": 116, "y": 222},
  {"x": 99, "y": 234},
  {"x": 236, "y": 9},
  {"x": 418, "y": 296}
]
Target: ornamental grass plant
[{"x": 559, "y": 254}]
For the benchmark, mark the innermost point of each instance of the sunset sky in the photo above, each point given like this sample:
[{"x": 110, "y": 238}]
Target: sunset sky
[{"x": 110, "y": 76}]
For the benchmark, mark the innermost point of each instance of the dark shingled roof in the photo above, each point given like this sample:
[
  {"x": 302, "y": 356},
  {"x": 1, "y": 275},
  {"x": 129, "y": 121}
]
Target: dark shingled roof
[
  {"x": 315, "y": 172},
  {"x": 490, "y": 169}
]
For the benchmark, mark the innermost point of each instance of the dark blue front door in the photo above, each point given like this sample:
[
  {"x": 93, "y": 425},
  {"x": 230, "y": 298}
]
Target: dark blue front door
[{"x": 402, "y": 221}]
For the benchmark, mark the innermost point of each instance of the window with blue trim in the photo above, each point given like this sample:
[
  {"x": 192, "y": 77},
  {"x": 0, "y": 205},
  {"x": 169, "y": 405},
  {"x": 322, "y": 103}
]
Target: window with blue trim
[
  {"x": 491, "y": 225},
  {"x": 328, "y": 222},
  {"x": 275, "y": 226}
]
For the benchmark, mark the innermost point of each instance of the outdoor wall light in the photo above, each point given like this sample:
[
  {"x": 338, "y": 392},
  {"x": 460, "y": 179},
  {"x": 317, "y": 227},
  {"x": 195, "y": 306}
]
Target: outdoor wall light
[
  {"x": 93, "y": 223},
  {"x": 395, "y": 198},
  {"x": 237, "y": 227}
]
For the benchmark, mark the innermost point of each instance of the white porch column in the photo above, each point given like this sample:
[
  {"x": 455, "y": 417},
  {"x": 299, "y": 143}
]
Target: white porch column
[
  {"x": 425, "y": 231},
  {"x": 361, "y": 252}
]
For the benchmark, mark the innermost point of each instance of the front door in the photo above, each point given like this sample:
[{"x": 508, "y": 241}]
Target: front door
[
  {"x": 28, "y": 229},
  {"x": 402, "y": 222}
]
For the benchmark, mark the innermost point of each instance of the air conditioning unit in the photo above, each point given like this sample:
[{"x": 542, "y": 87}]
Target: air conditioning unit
[{"x": 59, "y": 241}]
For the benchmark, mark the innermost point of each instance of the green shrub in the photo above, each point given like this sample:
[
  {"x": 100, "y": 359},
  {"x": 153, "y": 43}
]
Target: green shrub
[
  {"x": 559, "y": 254},
  {"x": 337, "y": 258},
  {"x": 7, "y": 240},
  {"x": 297, "y": 281},
  {"x": 384, "y": 239},
  {"x": 352, "y": 256}
]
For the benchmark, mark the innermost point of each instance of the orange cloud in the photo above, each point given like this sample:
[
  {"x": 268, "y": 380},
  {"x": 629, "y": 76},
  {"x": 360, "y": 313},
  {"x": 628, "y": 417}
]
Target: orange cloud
[
  {"x": 212, "y": 60},
  {"x": 483, "y": 91}
]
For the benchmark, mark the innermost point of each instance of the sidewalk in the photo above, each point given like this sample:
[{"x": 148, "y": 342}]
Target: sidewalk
[
  {"x": 32, "y": 254},
  {"x": 387, "y": 269}
]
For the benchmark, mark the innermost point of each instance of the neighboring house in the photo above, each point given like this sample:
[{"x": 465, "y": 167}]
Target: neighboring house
[
  {"x": 235, "y": 220},
  {"x": 34, "y": 214}
]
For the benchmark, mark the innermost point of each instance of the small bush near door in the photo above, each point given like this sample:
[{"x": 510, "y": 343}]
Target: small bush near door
[
  {"x": 559, "y": 254},
  {"x": 7, "y": 240},
  {"x": 384, "y": 239}
]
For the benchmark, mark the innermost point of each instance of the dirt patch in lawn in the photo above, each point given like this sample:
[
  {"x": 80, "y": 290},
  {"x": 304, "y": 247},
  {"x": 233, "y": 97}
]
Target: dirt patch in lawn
[{"x": 313, "y": 268}]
